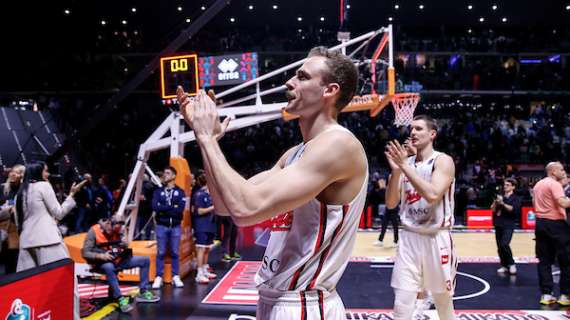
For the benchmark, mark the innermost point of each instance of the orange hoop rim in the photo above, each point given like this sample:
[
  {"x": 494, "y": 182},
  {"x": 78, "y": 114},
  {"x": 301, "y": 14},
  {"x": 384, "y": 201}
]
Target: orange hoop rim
[{"x": 406, "y": 95}]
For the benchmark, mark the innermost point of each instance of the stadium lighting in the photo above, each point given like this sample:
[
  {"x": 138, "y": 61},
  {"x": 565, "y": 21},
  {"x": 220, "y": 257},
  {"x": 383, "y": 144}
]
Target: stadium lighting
[
  {"x": 133, "y": 9},
  {"x": 299, "y": 30},
  {"x": 470, "y": 7},
  {"x": 203, "y": 8},
  {"x": 232, "y": 19},
  {"x": 124, "y": 21},
  {"x": 421, "y": 6},
  {"x": 396, "y": 6},
  {"x": 299, "y": 18},
  {"x": 568, "y": 7},
  {"x": 469, "y": 31},
  {"x": 275, "y": 7},
  {"x": 188, "y": 20},
  {"x": 250, "y": 7},
  {"x": 179, "y": 8},
  {"x": 494, "y": 7},
  {"x": 322, "y": 18},
  {"x": 481, "y": 19},
  {"x": 67, "y": 12},
  {"x": 390, "y": 18},
  {"x": 103, "y": 22},
  {"x": 504, "y": 19}
]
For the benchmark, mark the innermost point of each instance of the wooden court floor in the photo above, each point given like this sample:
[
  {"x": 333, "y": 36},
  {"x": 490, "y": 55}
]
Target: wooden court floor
[{"x": 467, "y": 244}]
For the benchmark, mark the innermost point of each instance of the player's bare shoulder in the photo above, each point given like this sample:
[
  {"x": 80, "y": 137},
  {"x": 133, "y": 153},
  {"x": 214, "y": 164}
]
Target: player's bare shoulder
[
  {"x": 340, "y": 146},
  {"x": 445, "y": 163}
]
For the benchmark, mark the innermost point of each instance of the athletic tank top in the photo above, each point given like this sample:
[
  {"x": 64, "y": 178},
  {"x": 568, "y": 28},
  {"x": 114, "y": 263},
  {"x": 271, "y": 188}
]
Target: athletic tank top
[
  {"x": 416, "y": 214},
  {"x": 309, "y": 247}
]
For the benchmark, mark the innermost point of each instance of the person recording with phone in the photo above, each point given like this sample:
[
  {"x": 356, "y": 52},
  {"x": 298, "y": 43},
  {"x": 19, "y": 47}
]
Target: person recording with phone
[
  {"x": 506, "y": 208},
  {"x": 105, "y": 249}
]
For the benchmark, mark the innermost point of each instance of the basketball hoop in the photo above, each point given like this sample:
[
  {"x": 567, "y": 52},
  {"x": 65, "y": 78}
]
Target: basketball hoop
[{"x": 404, "y": 106}]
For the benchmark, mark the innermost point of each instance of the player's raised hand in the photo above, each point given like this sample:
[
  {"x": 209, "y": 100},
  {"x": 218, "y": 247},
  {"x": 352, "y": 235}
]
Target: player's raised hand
[
  {"x": 186, "y": 104},
  {"x": 225, "y": 123},
  {"x": 396, "y": 154}
]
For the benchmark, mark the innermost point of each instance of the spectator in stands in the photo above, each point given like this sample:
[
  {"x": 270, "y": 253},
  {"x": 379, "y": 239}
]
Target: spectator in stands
[
  {"x": 105, "y": 249},
  {"x": 552, "y": 234},
  {"x": 204, "y": 225},
  {"x": 168, "y": 202},
  {"x": 9, "y": 240},
  {"x": 506, "y": 209},
  {"x": 103, "y": 200},
  {"x": 118, "y": 193},
  {"x": 85, "y": 204}
]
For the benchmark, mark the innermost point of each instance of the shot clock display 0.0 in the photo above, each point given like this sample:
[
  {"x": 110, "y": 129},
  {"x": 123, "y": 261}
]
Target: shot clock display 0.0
[{"x": 180, "y": 70}]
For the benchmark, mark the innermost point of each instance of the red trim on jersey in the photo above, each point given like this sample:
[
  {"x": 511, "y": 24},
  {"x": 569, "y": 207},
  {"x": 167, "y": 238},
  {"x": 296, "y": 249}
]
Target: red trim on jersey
[
  {"x": 446, "y": 221},
  {"x": 318, "y": 244},
  {"x": 303, "y": 306},
  {"x": 295, "y": 278},
  {"x": 321, "y": 305},
  {"x": 450, "y": 199},
  {"x": 322, "y": 228},
  {"x": 444, "y": 215},
  {"x": 326, "y": 251}
]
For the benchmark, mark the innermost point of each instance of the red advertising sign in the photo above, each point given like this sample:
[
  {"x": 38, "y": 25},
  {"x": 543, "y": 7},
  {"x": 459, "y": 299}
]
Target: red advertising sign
[
  {"x": 528, "y": 218},
  {"x": 42, "y": 293},
  {"x": 479, "y": 219}
]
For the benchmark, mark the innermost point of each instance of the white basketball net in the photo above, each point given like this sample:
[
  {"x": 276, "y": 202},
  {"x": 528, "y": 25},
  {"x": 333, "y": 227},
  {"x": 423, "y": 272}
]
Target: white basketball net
[{"x": 404, "y": 106}]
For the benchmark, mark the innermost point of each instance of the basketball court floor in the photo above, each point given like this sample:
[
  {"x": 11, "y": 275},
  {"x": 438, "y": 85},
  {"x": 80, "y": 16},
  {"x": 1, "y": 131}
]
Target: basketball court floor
[{"x": 365, "y": 286}]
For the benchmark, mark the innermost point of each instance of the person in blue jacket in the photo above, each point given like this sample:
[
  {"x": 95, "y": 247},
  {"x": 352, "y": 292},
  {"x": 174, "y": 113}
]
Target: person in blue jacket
[
  {"x": 204, "y": 225},
  {"x": 168, "y": 202}
]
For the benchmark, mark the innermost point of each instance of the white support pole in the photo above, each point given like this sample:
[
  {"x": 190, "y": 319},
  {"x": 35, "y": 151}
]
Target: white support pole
[
  {"x": 136, "y": 199},
  {"x": 175, "y": 131},
  {"x": 258, "y": 95},
  {"x": 131, "y": 184},
  {"x": 390, "y": 47},
  {"x": 162, "y": 129},
  {"x": 253, "y": 96},
  {"x": 155, "y": 179}
]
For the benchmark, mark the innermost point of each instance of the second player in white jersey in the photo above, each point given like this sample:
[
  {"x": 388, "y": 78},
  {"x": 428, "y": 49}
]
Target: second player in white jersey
[
  {"x": 416, "y": 213},
  {"x": 423, "y": 185}
]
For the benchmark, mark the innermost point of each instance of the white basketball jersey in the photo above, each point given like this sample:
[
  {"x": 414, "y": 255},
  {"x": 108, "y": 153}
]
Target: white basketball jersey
[
  {"x": 416, "y": 214},
  {"x": 309, "y": 248}
]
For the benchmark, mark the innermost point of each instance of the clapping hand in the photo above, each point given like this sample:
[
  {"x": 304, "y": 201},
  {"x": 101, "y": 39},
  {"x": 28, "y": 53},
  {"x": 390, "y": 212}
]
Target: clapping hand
[
  {"x": 201, "y": 114},
  {"x": 396, "y": 155}
]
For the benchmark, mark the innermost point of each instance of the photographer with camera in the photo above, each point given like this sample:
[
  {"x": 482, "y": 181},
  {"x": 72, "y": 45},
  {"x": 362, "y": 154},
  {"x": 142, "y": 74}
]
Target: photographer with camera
[
  {"x": 105, "y": 249},
  {"x": 506, "y": 208}
]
